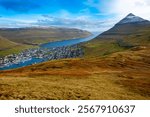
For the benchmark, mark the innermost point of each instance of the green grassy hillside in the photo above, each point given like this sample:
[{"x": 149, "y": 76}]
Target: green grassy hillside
[
  {"x": 8, "y": 47},
  {"x": 36, "y": 36},
  {"x": 4, "y": 43},
  {"x": 18, "y": 39},
  {"x": 102, "y": 46}
]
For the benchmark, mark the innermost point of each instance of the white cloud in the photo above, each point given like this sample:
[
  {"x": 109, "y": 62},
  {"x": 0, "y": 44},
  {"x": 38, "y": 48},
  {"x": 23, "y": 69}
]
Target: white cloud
[
  {"x": 114, "y": 9},
  {"x": 137, "y": 7},
  {"x": 82, "y": 22},
  {"x": 15, "y": 23}
]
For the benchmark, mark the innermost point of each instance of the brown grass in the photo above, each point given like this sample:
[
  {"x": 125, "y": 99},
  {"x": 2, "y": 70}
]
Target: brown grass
[{"x": 122, "y": 75}]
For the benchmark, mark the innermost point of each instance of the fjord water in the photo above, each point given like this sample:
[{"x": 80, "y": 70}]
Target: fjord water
[
  {"x": 50, "y": 45},
  {"x": 68, "y": 42}
]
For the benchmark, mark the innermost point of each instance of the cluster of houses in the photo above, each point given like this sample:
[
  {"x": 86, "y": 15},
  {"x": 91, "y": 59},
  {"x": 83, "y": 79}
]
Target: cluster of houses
[{"x": 42, "y": 53}]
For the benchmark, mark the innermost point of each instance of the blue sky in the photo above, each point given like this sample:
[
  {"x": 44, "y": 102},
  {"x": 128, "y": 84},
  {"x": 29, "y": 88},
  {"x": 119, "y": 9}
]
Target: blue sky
[{"x": 94, "y": 15}]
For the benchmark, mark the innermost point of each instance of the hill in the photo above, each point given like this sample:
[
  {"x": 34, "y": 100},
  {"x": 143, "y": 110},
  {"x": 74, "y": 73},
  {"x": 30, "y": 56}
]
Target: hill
[
  {"x": 8, "y": 47},
  {"x": 36, "y": 36},
  {"x": 6, "y": 43},
  {"x": 15, "y": 40}
]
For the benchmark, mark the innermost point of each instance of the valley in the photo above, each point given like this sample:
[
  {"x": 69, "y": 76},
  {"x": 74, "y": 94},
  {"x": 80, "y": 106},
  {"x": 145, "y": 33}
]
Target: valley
[
  {"x": 37, "y": 36},
  {"x": 19, "y": 39},
  {"x": 45, "y": 52},
  {"x": 115, "y": 66}
]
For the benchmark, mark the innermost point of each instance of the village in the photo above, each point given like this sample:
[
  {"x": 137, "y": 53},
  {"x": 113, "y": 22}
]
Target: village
[{"x": 45, "y": 54}]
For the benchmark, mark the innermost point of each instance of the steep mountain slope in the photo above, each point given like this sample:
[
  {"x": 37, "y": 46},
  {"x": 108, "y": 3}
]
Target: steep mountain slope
[
  {"x": 129, "y": 32},
  {"x": 129, "y": 25},
  {"x": 35, "y": 36}
]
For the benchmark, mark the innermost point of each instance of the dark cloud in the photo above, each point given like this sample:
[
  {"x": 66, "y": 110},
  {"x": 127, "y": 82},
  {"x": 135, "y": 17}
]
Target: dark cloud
[{"x": 19, "y": 5}]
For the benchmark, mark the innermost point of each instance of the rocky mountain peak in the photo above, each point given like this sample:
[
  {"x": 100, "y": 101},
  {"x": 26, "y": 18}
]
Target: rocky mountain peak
[
  {"x": 130, "y": 14},
  {"x": 131, "y": 18}
]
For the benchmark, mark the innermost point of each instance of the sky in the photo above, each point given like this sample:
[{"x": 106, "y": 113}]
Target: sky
[{"x": 92, "y": 15}]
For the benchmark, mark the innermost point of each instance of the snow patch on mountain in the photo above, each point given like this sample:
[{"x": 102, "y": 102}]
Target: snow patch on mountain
[{"x": 131, "y": 18}]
